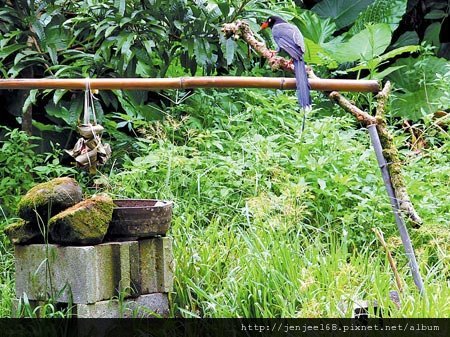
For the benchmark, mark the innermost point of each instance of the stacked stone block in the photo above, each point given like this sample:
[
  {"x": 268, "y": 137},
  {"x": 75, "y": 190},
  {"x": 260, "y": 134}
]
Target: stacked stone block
[
  {"x": 100, "y": 257},
  {"x": 113, "y": 279}
]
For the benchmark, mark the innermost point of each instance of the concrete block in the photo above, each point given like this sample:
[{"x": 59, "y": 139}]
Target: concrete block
[
  {"x": 165, "y": 265},
  {"x": 147, "y": 267},
  {"x": 86, "y": 274},
  {"x": 150, "y": 305},
  {"x": 126, "y": 272},
  {"x": 156, "y": 265}
]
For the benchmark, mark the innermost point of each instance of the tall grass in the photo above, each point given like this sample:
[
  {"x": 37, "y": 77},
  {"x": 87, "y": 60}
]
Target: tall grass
[
  {"x": 6, "y": 278},
  {"x": 267, "y": 273},
  {"x": 271, "y": 221}
]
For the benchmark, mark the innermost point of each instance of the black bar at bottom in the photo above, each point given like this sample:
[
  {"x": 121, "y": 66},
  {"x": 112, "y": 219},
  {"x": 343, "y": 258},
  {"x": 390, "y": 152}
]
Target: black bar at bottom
[{"x": 224, "y": 327}]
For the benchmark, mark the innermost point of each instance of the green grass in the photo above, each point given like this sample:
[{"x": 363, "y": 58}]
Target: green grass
[
  {"x": 268, "y": 273},
  {"x": 6, "y": 278},
  {"x": 270, "y": 221}
]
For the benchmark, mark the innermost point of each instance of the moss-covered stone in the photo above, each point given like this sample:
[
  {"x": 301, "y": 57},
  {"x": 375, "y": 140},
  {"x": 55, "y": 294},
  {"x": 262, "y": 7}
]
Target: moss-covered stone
[
  {"x": 50, "y": 198},
  {"x": 24, "y": 232},
  {"x": 84, "y": 223}
]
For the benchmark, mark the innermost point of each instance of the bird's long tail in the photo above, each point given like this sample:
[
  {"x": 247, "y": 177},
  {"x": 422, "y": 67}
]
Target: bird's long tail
[{"x": 304, "y": 98}]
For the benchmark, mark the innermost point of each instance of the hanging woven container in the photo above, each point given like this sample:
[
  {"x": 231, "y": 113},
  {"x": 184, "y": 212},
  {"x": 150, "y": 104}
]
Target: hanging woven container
[{"x": 89, "y": 151}]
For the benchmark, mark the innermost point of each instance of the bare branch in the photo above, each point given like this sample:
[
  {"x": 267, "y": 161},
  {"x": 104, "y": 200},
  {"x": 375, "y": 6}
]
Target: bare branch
[{"x": 360, "y": 115}]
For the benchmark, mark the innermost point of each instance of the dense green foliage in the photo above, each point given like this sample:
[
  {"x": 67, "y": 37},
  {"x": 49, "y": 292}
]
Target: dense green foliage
[
  {"x": 270, "y": 220},
  {"x": 162, "y": 38}
]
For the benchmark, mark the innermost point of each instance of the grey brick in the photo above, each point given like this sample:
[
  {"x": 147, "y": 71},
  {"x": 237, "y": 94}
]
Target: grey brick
[
  {"x": 148, "y": 278},
  {"x": 156, "y": 265},
  {"x": 165, "y": 265},
  {"x": 150, "y": 305},
  {"x": 85, "y": 274}
]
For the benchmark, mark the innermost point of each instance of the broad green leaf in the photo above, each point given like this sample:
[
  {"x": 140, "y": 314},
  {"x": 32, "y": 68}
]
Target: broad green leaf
[
  {"x": 56, "y": 36},
  {"x": 380, "y": 11},
  {"x": 59, "y": 93},
  {"x": 230, "y": 47},
  {"x": 31, "y": 99},
  {"x": 343, "y": 12},
  {"x": 200, "y": 52},
  {"x": 143, "y": 69},
  {"x": 432, "y": 34},
  {"x": 76, "y": 107},
  {"x": 8, "y": 37},
  {"x": 265, "y": 13},
  {"x": 407, "y": 38},
  {"x": 53, "y": 56},
  {"x": 149, "y": 45},
  {"x": 109, "y": 99},
  {"x": 436, "y": 15},
  {"x": 415, "y": 105},
  {"x": 38, "y": 29},
  {"x": 109, "y": 30},
  {"x": 418, "y": 94},
  {"x": 374, "y": 63},
  {"x": 366, "y": 45},
  {"x": 46, "y": 127},
  {"x": 8, "y": 50},
  {"x": 124, "y": 21},
  {"x": 382, "y": 74},
  {"x": 126, "y": 49},
  {"x": 224, "y": 8},
  {"x": 316, "y": 29},
  {"x": 315, "y": 54},
  {"x": 60, "y": 112},
  {"x": 120, "y": 5},
  {"x": 66, "y": 71},
  {"x": 399, "y": 51},
  {"x": 99, "y": 113},
  {"x": 25, "y": 54}
]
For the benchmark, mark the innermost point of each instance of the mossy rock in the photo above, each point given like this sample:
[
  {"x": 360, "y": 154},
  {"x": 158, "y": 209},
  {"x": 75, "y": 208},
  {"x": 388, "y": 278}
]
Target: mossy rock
[
  {"x": 50, "y": 198},
  {"x": 24, "y": 232},
  {"x": 85, "y": 223}
]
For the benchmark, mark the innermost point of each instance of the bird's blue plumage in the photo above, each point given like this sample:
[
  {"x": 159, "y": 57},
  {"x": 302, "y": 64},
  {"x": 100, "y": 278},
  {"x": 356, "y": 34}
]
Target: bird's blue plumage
[
  {"x": 289, "y": 38},
  {"x": 303, "y": 96}
]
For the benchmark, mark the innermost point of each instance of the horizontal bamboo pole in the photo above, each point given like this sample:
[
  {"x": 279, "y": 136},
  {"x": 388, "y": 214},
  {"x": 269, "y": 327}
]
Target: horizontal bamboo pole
[{"x": 188, "y": 83}]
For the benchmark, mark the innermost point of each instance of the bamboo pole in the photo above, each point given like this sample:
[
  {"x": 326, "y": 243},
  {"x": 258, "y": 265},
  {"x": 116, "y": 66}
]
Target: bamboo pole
[
  {"x": 409, "y": 250},
  {"x": 188, "y": 83},
  {"x": 391, "y": 260}
]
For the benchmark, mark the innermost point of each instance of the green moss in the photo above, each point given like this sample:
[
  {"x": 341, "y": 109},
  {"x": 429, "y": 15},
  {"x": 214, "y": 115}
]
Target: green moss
[
  {"x": 84, "y": 223},
  {"x": 24, "y": 232},
  {"x": 49, "y": 198}
]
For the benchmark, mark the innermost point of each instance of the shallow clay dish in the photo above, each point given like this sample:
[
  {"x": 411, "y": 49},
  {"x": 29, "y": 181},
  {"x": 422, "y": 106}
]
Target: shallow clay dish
[{"x": 140, "y": 218}]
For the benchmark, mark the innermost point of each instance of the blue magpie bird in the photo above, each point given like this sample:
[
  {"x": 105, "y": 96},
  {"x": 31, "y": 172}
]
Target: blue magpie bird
[{"x": 288, "y": 38}]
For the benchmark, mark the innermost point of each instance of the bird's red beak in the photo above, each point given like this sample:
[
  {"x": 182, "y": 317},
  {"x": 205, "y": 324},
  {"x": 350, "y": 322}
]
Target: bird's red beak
[{"x": 264, "y": 25}]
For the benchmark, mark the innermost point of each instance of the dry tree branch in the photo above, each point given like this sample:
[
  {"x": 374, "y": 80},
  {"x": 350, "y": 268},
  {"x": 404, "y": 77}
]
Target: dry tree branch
[
  {"x": 391, "y": 154},
  {"x": 360, "y": 115},
  {"x": 240, "y": 30}
]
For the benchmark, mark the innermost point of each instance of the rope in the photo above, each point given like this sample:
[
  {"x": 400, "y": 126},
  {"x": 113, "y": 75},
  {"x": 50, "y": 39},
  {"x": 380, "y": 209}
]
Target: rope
[{"x": 89, "y": 104}]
